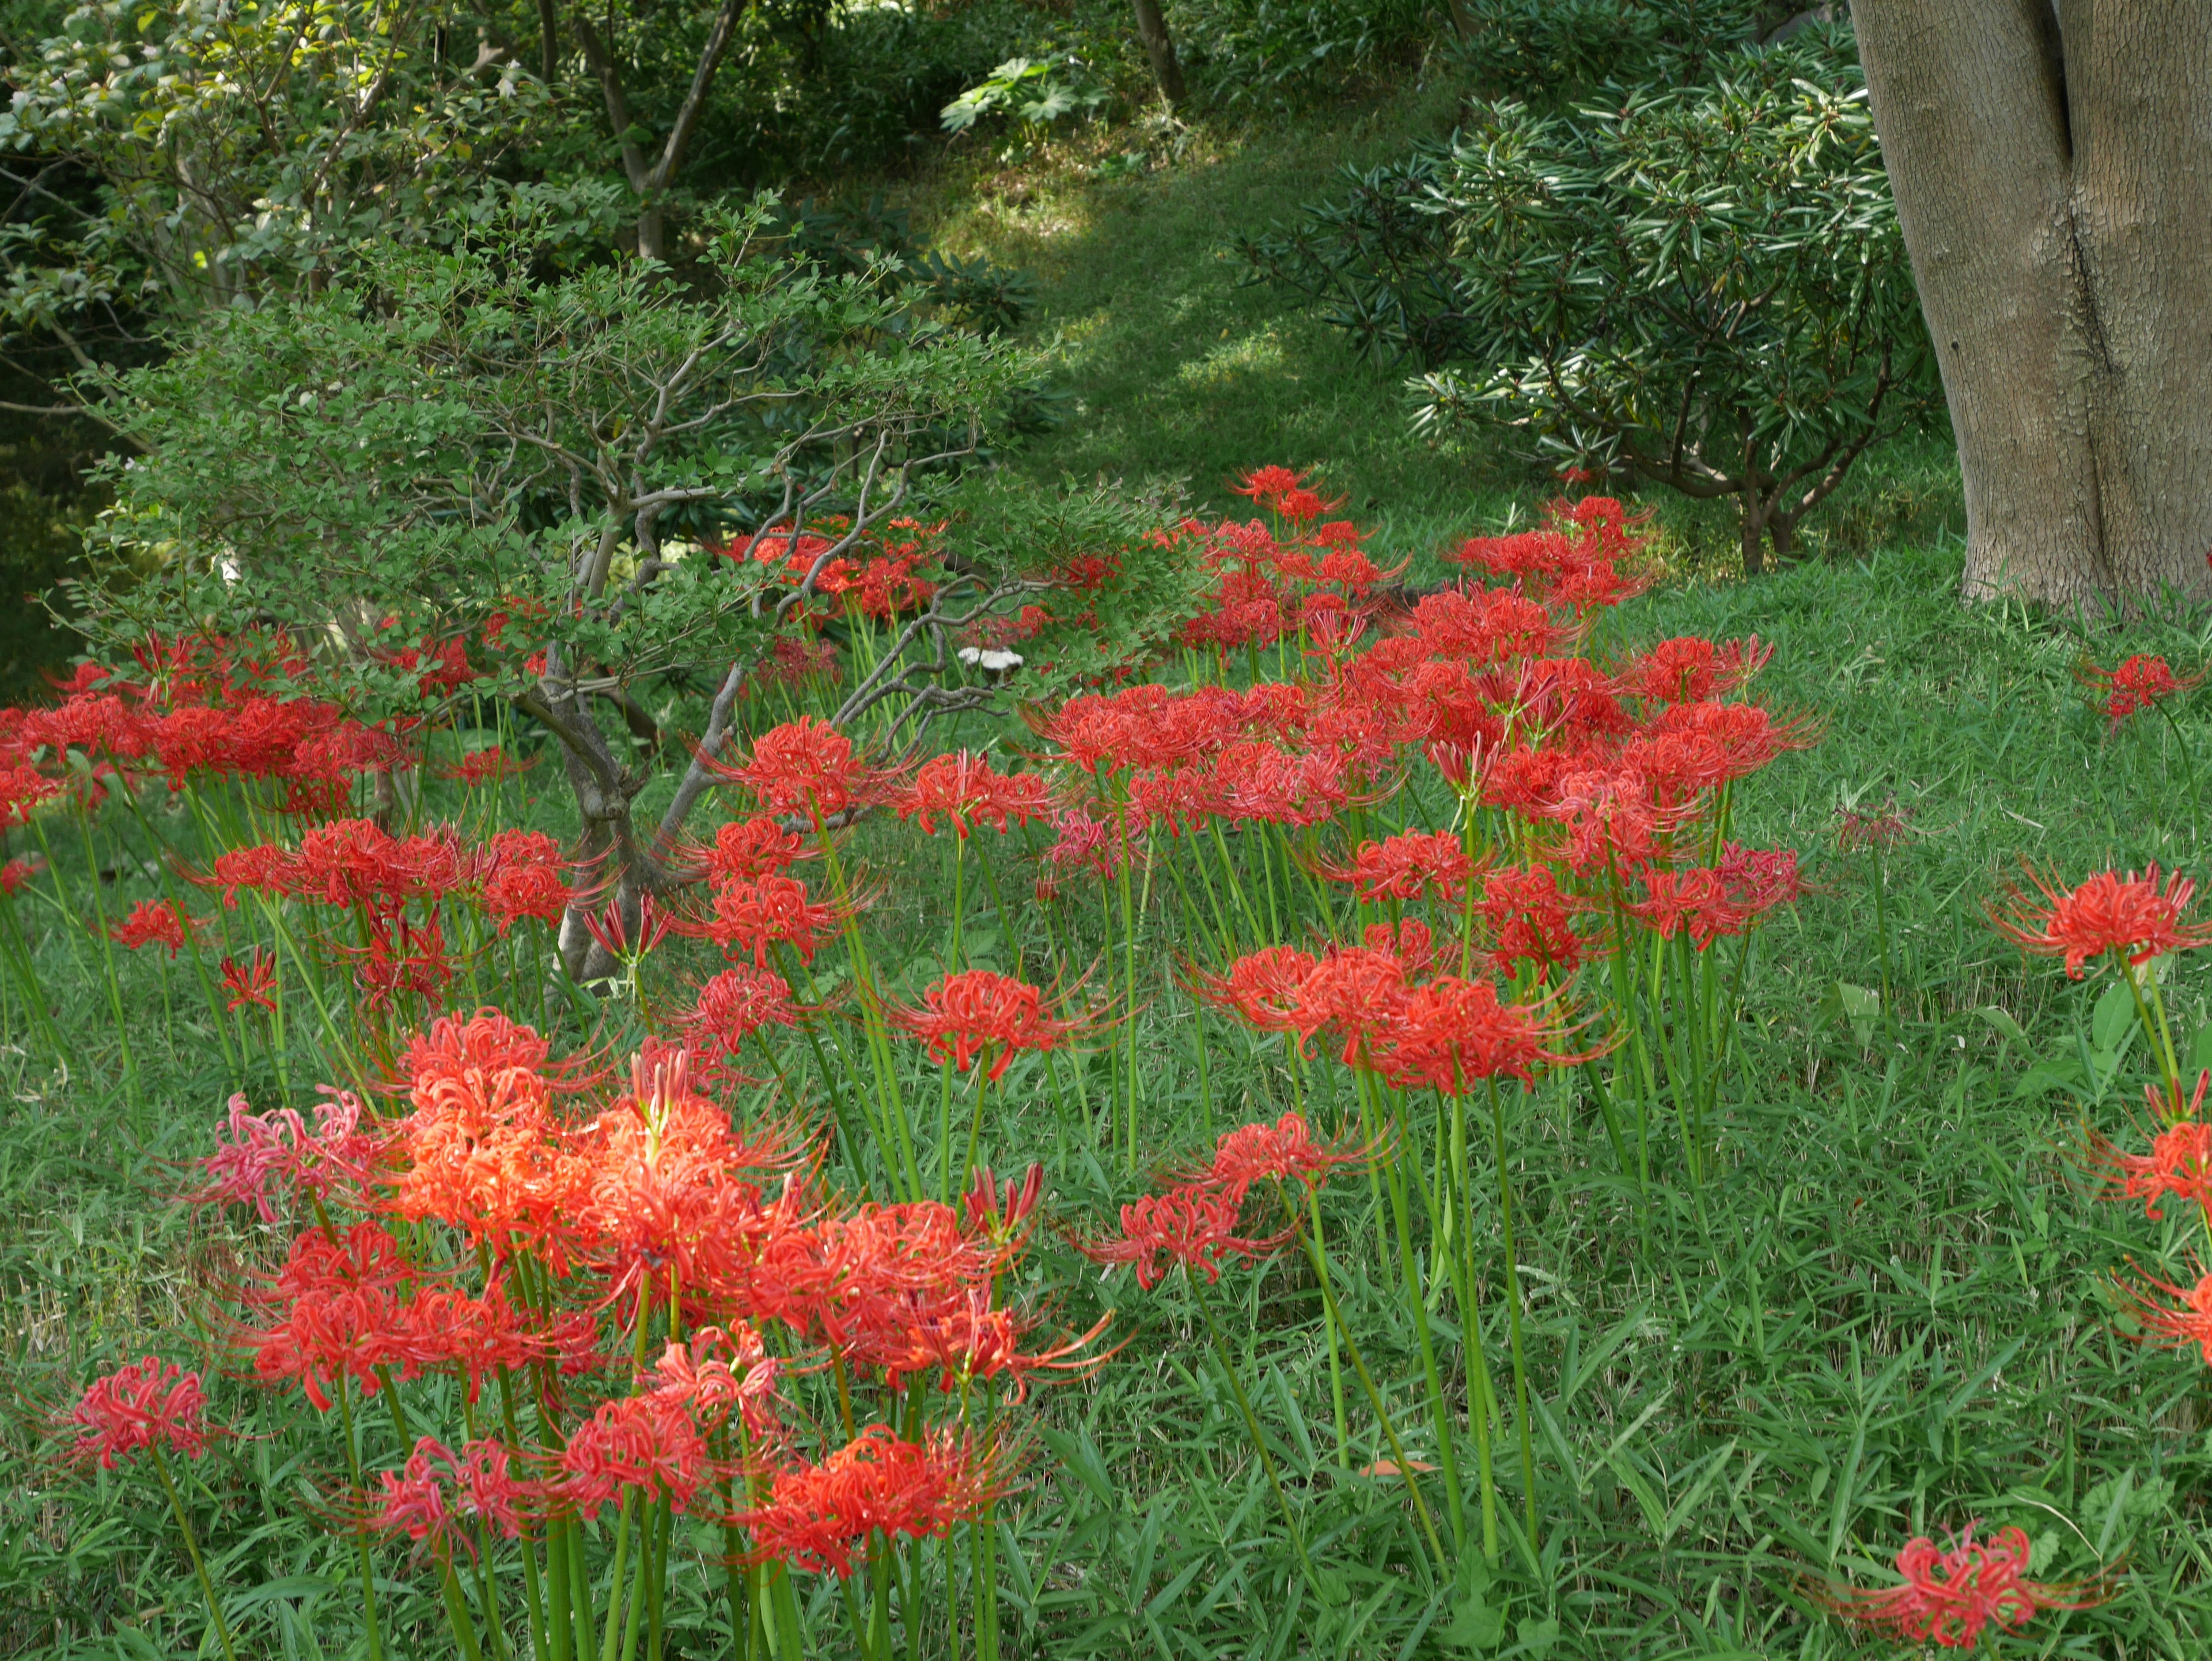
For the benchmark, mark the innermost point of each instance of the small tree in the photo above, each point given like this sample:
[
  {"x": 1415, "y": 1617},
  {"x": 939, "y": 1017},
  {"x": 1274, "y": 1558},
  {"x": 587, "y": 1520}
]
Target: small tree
[
  {"x": 1705, "y": 288},
  {"x": 444, "y": 478}
]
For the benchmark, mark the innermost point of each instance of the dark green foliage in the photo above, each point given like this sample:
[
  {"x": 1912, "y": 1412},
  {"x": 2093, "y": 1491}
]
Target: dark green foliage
[
  {"x": 1257, "y": 53},
  {"x": 1705, "y": 289},
  {"x": 1538, "y": 49}
]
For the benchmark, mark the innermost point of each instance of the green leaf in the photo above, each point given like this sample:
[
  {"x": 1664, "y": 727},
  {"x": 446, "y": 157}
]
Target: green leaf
[
  {"x": 2114, "y": 1017},
  {"x": 1537, "y": 1637},
  {"x": 1861, "y": 1007},
  {"x": 1473, "y": 1626}
]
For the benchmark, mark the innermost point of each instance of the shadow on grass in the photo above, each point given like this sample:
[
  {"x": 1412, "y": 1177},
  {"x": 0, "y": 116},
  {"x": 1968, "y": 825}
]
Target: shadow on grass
[{"x": 1170, "y": 366}]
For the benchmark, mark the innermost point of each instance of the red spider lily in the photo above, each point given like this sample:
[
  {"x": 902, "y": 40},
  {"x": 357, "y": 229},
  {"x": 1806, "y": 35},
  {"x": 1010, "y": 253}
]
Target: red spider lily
[
  {"x": 1195, "y": 1225},
  {"x": 1484, "y": 627},
  {"x": 1759, "y": 878},
  {"x": 1410, "y": 940},
  {"x": 487, "y": 766},
  {"x": 401, "y": 957},
  {"x": 752, "y": 919},
  {"x": 1743, "y": 737},
  {"x": 1101, "y": 847},
  {"x": 23, "y": 789},
  {"x": 1696, "y": 899},
  {"x": 734, "y": 1004},
  {"x": 1262, "y": 987},
  {"x": 2170, "y": 1315},
  {"x": 962, "y": 789},
  {"x": 1952, "y": 1593},
  {"x": 1529, "y": 921},
  {"x": 1689, "y": 669},
  {"x": 484, "y": 1492},
  {"x": 523, "y": 878},
  {"x": 156, "y": 922},
  {"x": 1609, "y": 818},
  {"x": 1285, "y": 1150},
  {"x": 656, "y": 1188},
  {"x": 252, "y": 983},
  {"x": 804, "y": 766},
  {"x": 746, "y": 848},
  {"x": 817, "y": 1517},
  {"x": 350, "y": 862},
  {"x": 1258, "y": 782},
  {"x": 967, "y": 1340},
  {"x": 978, "y": 1014},
  {"x": 621, "y": 939},
  {"x": 648, "y": 1443},
  {"x": 718, "y": 1370},
  {"x": 1001, "y": 1217},
  {"x": 481, "y": 1151},
  {"x": 2180, "y": 1162},
  {"x": 339, "y": 1303},
  {"x": 1452, "y": 1032},
  {"x": 2131, "y": 917},
  {"x": 793, "y": 662},
  {"x": 860, "y": 1281},
  {"x": 146, "y": 1404},
  {"x": 16, "y": 872},
  {"x": 2141, "y": 681},
  {"x": 269, "y": 1149},
  {"x": 1284, "y": 491},
  {"x": 442, "y": 1327},
  {"x": 1885, "y": 827},
  {"x": 1359, "y": 992}
]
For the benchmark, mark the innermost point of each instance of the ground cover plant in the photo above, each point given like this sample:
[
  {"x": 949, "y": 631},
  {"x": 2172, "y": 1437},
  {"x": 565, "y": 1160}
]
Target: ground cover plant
[{"x": 1357, "y": 1137}]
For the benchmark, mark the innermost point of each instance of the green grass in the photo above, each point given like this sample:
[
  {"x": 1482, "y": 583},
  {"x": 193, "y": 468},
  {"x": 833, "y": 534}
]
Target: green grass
[
  {"x": 1170, "y": 365},
  {"x": 1895, "y": 1318}
]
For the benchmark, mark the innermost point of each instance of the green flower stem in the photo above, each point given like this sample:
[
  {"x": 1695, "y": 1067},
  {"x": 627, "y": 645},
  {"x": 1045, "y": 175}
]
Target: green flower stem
[
  {"x": 192, "y": 1550},
  {"x": 1513, "y": 1320}
]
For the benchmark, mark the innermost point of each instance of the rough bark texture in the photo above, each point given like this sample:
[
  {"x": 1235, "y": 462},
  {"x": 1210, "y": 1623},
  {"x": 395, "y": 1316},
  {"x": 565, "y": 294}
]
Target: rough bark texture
[
  {"x": 2053, "y": 177},
  {"x": 1152, "y": 29}
]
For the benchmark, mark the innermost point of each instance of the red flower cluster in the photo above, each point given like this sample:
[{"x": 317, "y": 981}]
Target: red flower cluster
[
  {"x": 2133, "y": 918},
  {"x": 979, "y": 1015},
  {"x": 1406, "y": 866},
  {"x": 1196, "y": 1223},
  {"x": 156, "y": 922},
  {"x": 2141, "y": 681},
  {"x": 818, "y": 1516},
  {"x": 805, "y": 766},
  {"x": 1953, "y": 1593},
  {"x": 146, "y": 1404},
  {"x": 1444, "y": 1033},
  {"x": 204, "y": 708},
  {"x": 962, "y": 789}
]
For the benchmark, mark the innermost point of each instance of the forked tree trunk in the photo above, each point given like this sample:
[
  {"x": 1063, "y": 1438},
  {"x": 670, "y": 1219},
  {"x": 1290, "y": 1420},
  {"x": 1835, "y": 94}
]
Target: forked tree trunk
[
  {"x": 1159, "y": 47},
  {"x": 2053, "y": 177}
]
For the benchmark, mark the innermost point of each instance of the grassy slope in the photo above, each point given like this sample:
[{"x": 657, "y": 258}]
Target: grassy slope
[
  {"x": 1172, "y": 367},
  {"x": 1895, "y": 1318}
]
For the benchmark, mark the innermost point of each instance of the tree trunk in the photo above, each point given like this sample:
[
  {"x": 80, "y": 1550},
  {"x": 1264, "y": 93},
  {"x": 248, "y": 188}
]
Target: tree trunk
[
  {"x": 2053, "y": 177},
  {"x": 1152, "y": 29},
  {"x": 1751, "y": 531}
]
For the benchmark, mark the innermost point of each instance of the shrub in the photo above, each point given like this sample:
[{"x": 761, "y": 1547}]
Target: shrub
[
  {"x": 444, "y": 478},
  {"x": 1255, "y": 52},
  {"x": 1538, "y": 49},
  {"x": 1703, "y": 289}
]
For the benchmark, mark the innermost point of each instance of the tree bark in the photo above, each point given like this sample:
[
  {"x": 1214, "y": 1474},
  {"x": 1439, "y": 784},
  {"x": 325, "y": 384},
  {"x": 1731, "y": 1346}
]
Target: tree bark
[
  {"x": 651, "y": 180},
  {"x": 1159, "y": 47},
  {"x": 2053, "y": 177}
]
